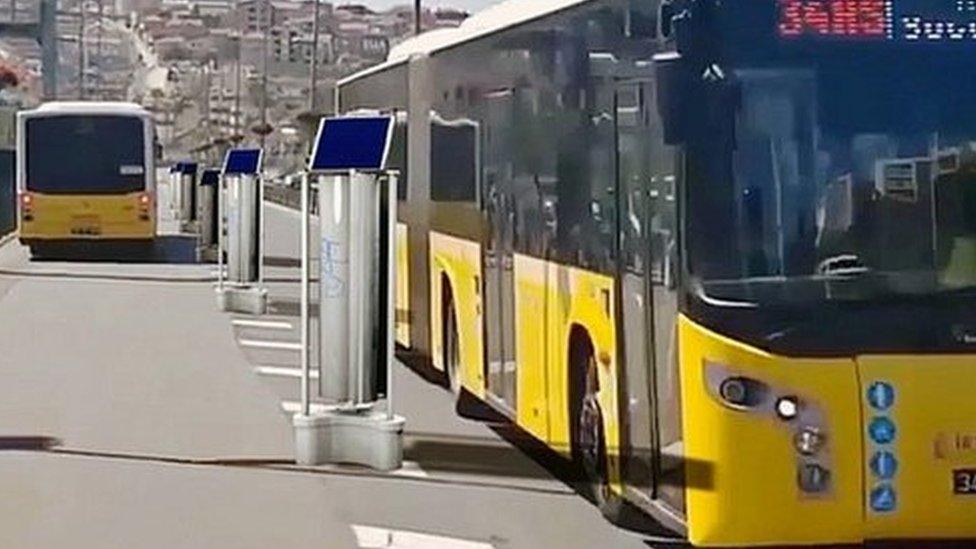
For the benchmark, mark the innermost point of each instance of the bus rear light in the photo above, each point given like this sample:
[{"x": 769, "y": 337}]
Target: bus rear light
[
  {"x": 26, "y": 208},
  {"x": 144, "y": 200}
]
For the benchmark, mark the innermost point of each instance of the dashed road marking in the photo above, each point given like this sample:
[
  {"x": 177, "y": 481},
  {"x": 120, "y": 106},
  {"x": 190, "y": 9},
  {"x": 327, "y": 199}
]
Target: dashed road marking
[
  {"x": 283, "y": 371},
  {"x": 378, "y": 537},
  {"x": 263, "y": 324},
  {"x": 273, "y": 345}
]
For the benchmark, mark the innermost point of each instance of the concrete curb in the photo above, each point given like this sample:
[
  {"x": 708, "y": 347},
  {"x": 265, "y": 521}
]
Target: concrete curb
[{"x": 7, "y": 238}]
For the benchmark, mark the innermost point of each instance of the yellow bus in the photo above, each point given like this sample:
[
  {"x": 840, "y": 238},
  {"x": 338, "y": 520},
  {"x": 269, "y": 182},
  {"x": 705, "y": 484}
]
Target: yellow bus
[
  {"x": 719, "y": 254},
  {"x": 85, "y": 173}
]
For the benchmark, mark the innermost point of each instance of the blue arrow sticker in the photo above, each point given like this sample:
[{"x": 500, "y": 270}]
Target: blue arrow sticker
[
  {"x": 881, "y": 430},
  {"x": 881, "y": 395},
  {"x": 884, "y": 499},
  {"x": 884, "y": 465}
]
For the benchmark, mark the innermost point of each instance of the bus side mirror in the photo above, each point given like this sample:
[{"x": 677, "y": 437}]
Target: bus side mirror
[
  {"x": 674, "y": 86},
  {"x": 158, "y": 150}
]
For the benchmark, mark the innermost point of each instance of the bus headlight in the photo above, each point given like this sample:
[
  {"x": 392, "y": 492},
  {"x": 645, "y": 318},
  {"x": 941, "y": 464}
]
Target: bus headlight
[
  {"x": 734, "y": 391},
  {"x": 742, "y": 392},
  {"x": 787, "y": 408}
]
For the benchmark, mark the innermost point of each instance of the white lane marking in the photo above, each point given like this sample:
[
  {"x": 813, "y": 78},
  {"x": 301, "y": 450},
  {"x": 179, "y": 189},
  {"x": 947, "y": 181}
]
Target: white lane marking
[
  {"x": 274, "y": 345},
  {"x": 266, "y": 324},
  {"x": 283, "y": 371},
  {"x": 378, "y": 537}
]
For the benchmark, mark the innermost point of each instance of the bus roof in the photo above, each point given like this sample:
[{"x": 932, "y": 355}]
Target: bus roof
[
  {"x": 90, "y": 107},
  {"x": 507, "y": 14}
]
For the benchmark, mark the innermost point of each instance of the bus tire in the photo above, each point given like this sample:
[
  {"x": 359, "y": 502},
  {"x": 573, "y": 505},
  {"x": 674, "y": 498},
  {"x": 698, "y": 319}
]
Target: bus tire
[
  {"x": 451, "y": 346},
  {"x": 587, "y": 433}
]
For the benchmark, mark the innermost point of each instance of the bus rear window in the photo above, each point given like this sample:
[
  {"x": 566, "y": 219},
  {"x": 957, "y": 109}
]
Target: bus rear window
[{"x": 85, "y": 154}]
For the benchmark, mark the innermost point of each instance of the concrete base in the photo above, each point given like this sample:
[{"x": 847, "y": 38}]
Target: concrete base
[
  {"x": 369, "y": 438},
  {"x": 243, "y": 299},
  {"x": 207, "y": 255}
]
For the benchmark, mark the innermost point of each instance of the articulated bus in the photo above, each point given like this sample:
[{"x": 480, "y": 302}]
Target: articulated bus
[
  {"x": 720, "y": 253},
  {"x": 85, "y": 173}
]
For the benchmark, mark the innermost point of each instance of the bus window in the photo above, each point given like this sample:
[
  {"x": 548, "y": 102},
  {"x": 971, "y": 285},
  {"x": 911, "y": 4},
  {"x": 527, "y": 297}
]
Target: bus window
[
  {"x": 585, "y": 205},
  {"x": 398, "y": 154},
  {"x": 86, "y": 154},
  {"x": 641, "y": 19},
  {"x": 453, "y": 160}
]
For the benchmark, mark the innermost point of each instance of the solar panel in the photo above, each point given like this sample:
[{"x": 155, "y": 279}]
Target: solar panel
[
  {"x": 352, "y": 143},
  {"x": 185, "y": 168},
  {"x": 210, "y": 176},
  {"x": 243, "y": 161}
]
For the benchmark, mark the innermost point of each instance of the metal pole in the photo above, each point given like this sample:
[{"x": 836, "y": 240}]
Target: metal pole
[
  {"x": 98, "y": 47},
  {"x": 264, "y": 72},
  {"x": 391, "y": 272},
  {"x": 207, "y": 84},
  {"x": 222, "y": 105},
  {"x": 220, "y": 232},
  {"x": 305, "y": 305},
  {"x": 358, "y": 211},
  {"x": 313, "y": 70},
  {"x": 417, "y": 16},
  {"x": 261, "y": 217},
  {"x": 49, "y": 48},
  {"x": 368, "y": 210},
  {"x": 237, "y": 86},
  {"x": 81, "y": 51}
]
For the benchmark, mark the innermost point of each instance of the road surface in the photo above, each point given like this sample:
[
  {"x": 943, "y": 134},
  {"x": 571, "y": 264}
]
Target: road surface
[{"x": 173, "y": 434}]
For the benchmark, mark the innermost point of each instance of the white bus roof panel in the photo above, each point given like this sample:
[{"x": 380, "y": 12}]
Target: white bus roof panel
[
  {"x": 488, "y": 21},
  {"x": 89, "y": 107}
]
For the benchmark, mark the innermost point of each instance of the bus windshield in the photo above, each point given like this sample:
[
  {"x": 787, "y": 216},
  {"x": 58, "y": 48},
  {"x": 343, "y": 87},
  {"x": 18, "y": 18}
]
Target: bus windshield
[
  {"x": 96, "y": 154},
  {"x": 836, "y": 178}
]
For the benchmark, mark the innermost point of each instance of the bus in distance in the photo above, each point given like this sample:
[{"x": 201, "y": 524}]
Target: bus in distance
[{"x": 85, "y": 173}]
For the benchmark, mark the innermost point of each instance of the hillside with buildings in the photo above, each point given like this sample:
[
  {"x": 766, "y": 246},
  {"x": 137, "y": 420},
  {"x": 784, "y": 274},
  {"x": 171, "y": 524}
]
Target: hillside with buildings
[{"x": 214, "y": 71}]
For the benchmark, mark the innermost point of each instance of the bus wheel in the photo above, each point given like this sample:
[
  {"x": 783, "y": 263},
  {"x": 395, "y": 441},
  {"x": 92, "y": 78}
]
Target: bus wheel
[
  {"x": 589, "y": 443},
  {"x": 452, "y": 350}
]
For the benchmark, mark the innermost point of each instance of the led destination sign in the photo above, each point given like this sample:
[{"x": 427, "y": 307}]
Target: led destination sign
[{"x": 905, "y": 21}]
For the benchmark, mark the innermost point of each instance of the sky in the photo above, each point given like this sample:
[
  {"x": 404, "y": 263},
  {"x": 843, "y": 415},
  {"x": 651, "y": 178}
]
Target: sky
[{"x": 469, "y": 5}]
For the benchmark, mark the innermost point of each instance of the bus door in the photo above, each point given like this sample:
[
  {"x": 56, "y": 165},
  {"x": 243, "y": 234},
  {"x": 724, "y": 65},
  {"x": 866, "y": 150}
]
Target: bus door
[
  {"x": 647, "y": 267},
  {"x": 499, "y": 262},
  {"x": 634, "y": 269}
]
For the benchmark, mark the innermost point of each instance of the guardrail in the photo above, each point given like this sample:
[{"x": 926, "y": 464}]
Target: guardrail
[{"x": 288, "y": 197}]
